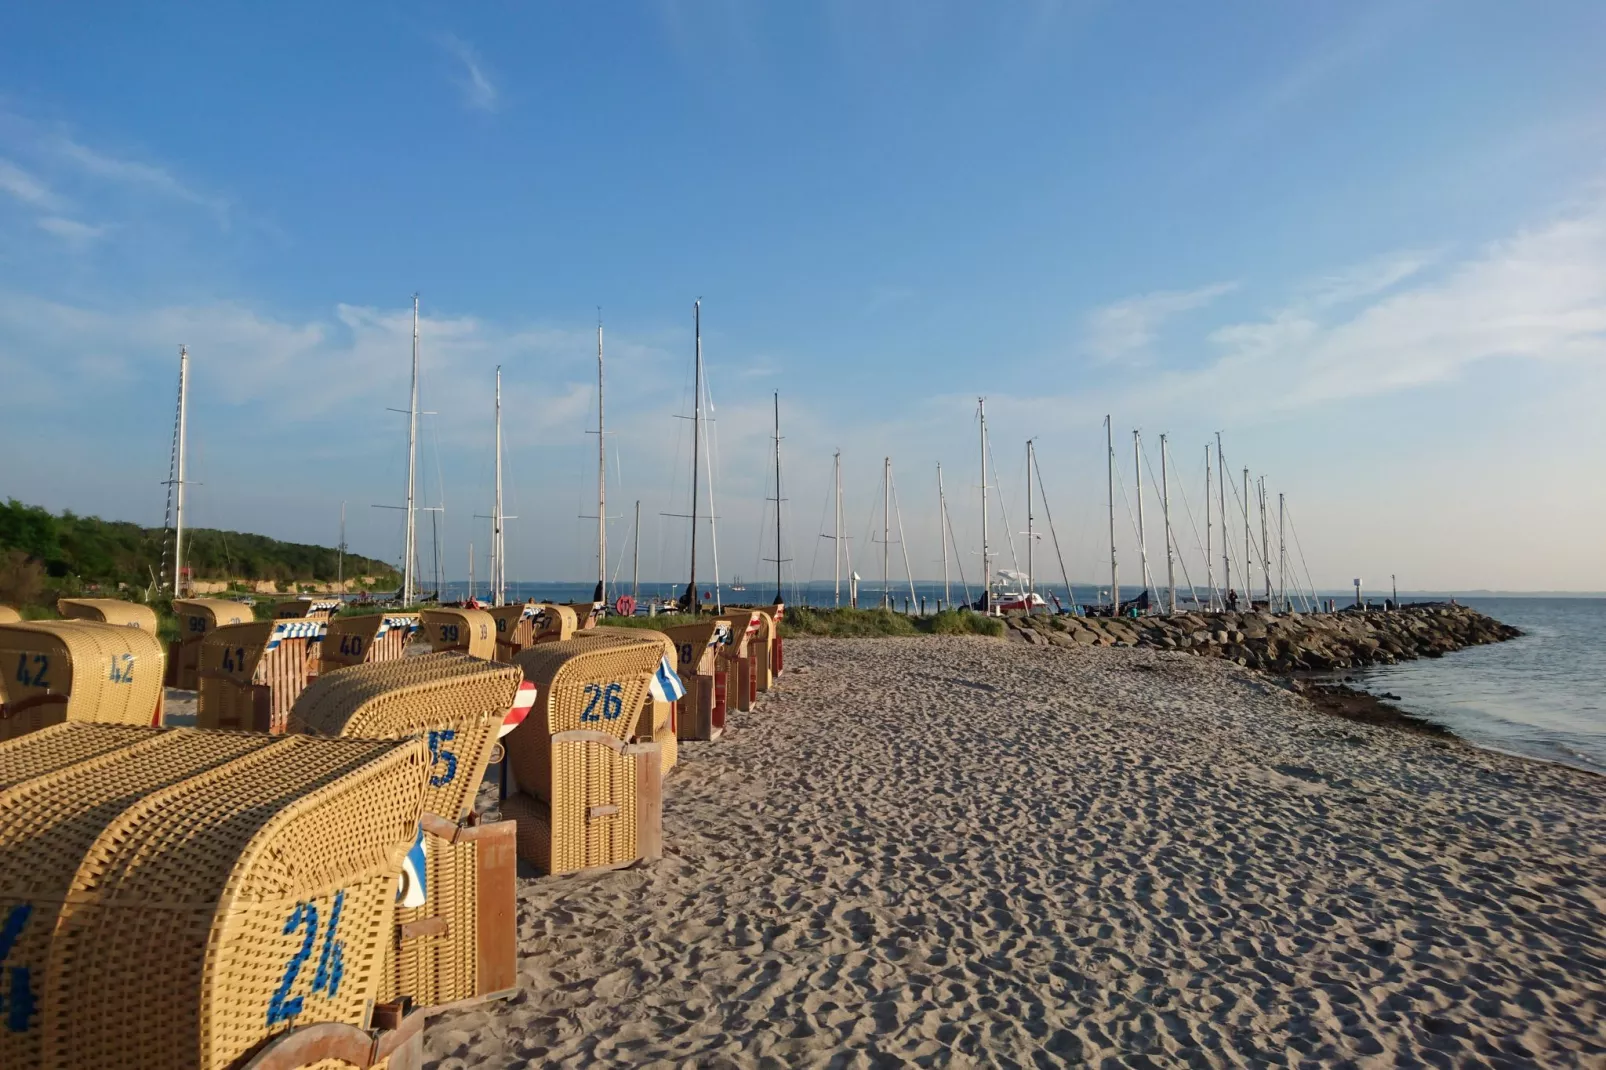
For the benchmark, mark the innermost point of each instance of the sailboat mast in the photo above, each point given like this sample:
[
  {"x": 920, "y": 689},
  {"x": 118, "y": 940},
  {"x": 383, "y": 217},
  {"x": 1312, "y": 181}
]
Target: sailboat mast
[
  {"x": 986, "y": 554},
  {"x": 1143, "y": 531},
  {"x": 1265, "y": 543},
  {"x": 470, "y": 597},
  {"x": 178, "y": 499},
  {"x": 1031, "y": 537},
  {"x": 836, "y": 529},
  {"x": 498, "y": 563},
  {"x": 340, "y": 552},
  {"x": 410, "y": 551},
  {"x": 778, "y": 592},
  {"x": 1221, "y": 490},
  {"x": 602, "y": 481},
  {"x": 1282, "y": 557},
  {"x": 696, "y": 442},
  {"x": 886, "y": 528},
  {"x": 1115, "y": 577},
  {"x": 635, "y": 566},
  {"x": 1210, "y": 560},
  {"x": 1165, "y": 509},
  {"x": 942, "y": 525}
]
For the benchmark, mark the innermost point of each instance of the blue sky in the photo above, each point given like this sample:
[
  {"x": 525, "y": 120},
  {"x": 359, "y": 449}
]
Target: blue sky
[{"x": 1365, "y": 241}]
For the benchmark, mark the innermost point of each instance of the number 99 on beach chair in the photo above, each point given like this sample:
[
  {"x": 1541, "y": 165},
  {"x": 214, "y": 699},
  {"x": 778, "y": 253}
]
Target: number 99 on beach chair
[
  {"x": 469, "y": 631},
  {"x": 109, "y": 611},
  {"x": 77, "y": 670},
  {"x": 365, "y": 640},
  {"x": 251, "y": 674},
  {"x": 587, "y": 799},
  {"x": 306, "y": 609},
  {"x": 454, "y": 939},
  {"x": 173, "y": 899},
  {"x": 197, "y": 618}
]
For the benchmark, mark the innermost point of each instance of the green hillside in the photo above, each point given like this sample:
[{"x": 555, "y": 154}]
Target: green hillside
[{"x": 42, "y": 555}]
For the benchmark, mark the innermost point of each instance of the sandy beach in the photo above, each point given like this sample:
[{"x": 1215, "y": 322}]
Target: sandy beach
[{"x": 946, "y": 851}]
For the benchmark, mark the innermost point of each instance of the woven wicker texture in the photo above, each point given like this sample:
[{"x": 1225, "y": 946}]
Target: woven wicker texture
[
  {"x": 77, "y": 670},
  {"x": 440, "y": 967},
  {"x": 586, "y": 614},
  {"x": 61, "y": 745},
  {"x": 372, "y": 637},
  {"x": 455, "y": 701},
  {"x": 109, "y": 611},
  {"x": 471, "y": 631},
  {"x": 181, "y": 874},
  {"x": 9, "y": 615},
  {"x": 760, "y": 647},
  {"x": 657, "y": 720},
  {"x": 515, "y": 629},
  {"x": 588, "y": 818},
  {"x": 196, "y": 618},
  {"x": 697, "y": 647},
  {"x": 256, "y": 669},
  {"x": 554, "y": 623}
]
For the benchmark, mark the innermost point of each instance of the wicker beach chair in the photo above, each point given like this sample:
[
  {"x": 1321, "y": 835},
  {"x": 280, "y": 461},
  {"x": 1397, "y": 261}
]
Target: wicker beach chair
[
  {"x": 554, "y": 623},
  {"x": 515, "y": 628},
  {"x": 77, "y": 670},
  {"x": 306, "y": 609},
  {"x": 469, "y": 631},
  {"x": 9, "y": 615},
  {"x": 251, "y": 674},
  {"x": 458, "y": 944},
  {"x": 197, "y": 618},
  {"x": 587, "y": 799},
  {"x": 109, "y": 611},
  {"x": 174, "y": 898},
  {"x": 656, "y": 723},
  {"x": 764, "y": 649},
  {"x": 705, "y": 673},
  {"x": 747, "y": 626},
  {"x": 586, "y": 614},
  {"x": 776, "y": 661},
  {"x": 365, "y": 640}
]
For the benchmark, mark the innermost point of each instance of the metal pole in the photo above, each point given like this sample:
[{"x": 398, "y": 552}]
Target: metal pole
[
  {"x": 498, "y": 564},
  {"x": 635, "y": 567},
  {"x": 1210, "y": 561},
  {"x": 836, "y": 531},
  {"x": 340, "y": 567},
  {"x": 602, "y": 481},
  {"x": 986, "y": 556},
  {"x": 1031, "y": 577},
  {"x": 1249, "y": 568},
  {"x": 942, "y": 524},
  {"x": 1165, "y": 509},
  {"x": 1221, "y": 489},
  {"x": 1143, "y": 531},
  {"x": 183, "y": 433},
  {"x": 1115, "y": 576},
  {"x": 1282, "y": 558},
  {"x": 409, "y": 580},
  {"x": 886, "y": 528},
  {"x": 696, "y": 441},
  {"x": 1265, "y": 542},
  {"x": 470, "y": 597},
  {"x": 778, "y": 591}
]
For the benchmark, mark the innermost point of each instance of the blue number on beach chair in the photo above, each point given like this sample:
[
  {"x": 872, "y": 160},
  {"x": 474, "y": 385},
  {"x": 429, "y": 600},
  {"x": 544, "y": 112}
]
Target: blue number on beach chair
[
  {"x": 351, "y": 645},
  {"x": 19, "y": 1004},
  {"x": 282, "y": 1007},
  {"x": 594, "y": 694},
  {"x": 438, "y": 754},
  {"x": 332, "y": 962},
  {"x": 34, "y": 677},
  {"x": 122, "y": 668},
  {"x": 612, "y": 705}
]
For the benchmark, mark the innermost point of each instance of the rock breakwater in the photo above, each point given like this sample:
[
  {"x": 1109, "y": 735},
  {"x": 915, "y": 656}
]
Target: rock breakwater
[{"x": 1280, "y": 642}]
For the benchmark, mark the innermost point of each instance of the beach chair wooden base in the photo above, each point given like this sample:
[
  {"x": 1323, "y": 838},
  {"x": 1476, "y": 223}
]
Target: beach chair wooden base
[
  {"x": 702, "y": 711},
  {"x": 330, "y": 1046},
  {"x": 616, "y": 824}
]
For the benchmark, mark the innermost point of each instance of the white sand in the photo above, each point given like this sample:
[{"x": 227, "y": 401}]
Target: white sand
[{"x": 957, "y": 851}]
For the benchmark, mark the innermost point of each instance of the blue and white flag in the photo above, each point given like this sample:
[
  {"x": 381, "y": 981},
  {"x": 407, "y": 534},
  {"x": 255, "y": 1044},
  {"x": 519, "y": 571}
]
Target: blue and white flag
[
  {"x": 666, "y": 685},
  {"x": 298, "y": 629},
  {"x": 413, "y": 892}
]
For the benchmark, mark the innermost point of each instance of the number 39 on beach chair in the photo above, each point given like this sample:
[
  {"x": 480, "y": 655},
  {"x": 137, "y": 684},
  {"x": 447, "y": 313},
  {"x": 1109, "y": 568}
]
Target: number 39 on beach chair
[
  {"x": 77, "y": 670},
  {"x": 455, "y": 937},
  {"x": 251, "y": 674},
  {"x": 586, "y": 798},
  {"x": 365, "y": 640},
  {"x": 185, "y": 900},
  {"x": 109, "y": 611},
  {"x": 197, "y": 618},
  {"x": 705, "y": 673},
  {"x": 468, "y": 631}
]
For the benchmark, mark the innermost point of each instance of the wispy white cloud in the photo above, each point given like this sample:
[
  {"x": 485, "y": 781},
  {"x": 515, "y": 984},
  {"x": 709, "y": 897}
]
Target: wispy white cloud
[
  {"x": 72, "y": 230},
  {"x": 479, "y": 92},
  {"x": 27, "y": 188},
  {"x": 1125, "y": 331},
  {"x": 136, "y": 174}
]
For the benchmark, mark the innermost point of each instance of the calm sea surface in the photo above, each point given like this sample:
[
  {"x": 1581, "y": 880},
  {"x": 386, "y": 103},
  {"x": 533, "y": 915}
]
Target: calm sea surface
[{"x": 1543, "y": 695}]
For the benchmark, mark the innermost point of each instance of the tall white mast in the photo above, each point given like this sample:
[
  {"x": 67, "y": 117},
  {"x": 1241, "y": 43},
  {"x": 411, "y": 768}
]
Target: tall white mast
[
  {"x": 1210, "y": 560},
  {"x": 1249, "y": 568},
  {"x": 986, "y": 551},
  {"x": 470, "y": 573},
  {"x": 886, "y": 528},
  {"x": 635, "y": 546},
  {"x": 1265, "y": 542},
  {"x": 498, "y": 550},
  {"x": 178, "y": 498},
  {"x": 778, "y": 559},
  {"x": 1165, "y": 509},
  {"x": 1282, "y": 558},
  {"x": 409, "y": 581},
  {"x": 836, "y": 530},
  {"x": 942, "y": 524},
  {"x": 340, "y": 552},
  {"x": 602, "y": 481},
  {"x": 1031, "y": 535},
  {"x": 1143, "y": 531},
  {"x": 1221, "y": 489},
  {"x": 1115, "y": 578},
  {"x": 693, "y": 603},
  {"x": 903, "y": 543}
]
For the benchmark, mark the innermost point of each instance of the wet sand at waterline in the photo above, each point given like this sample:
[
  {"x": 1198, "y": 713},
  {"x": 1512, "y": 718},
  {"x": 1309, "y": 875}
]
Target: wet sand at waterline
[{"x": 946, "y": 851}]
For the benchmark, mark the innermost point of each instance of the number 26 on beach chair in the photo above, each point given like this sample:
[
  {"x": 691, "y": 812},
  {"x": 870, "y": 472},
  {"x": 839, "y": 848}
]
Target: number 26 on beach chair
[
  {"x": 77, "y": 670},
  {"x": 173, "y": 899},
  {"x": 251, "y": 674},
  {"x": 585, "y": 798},
  {"x": 365, "y": 640}
]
